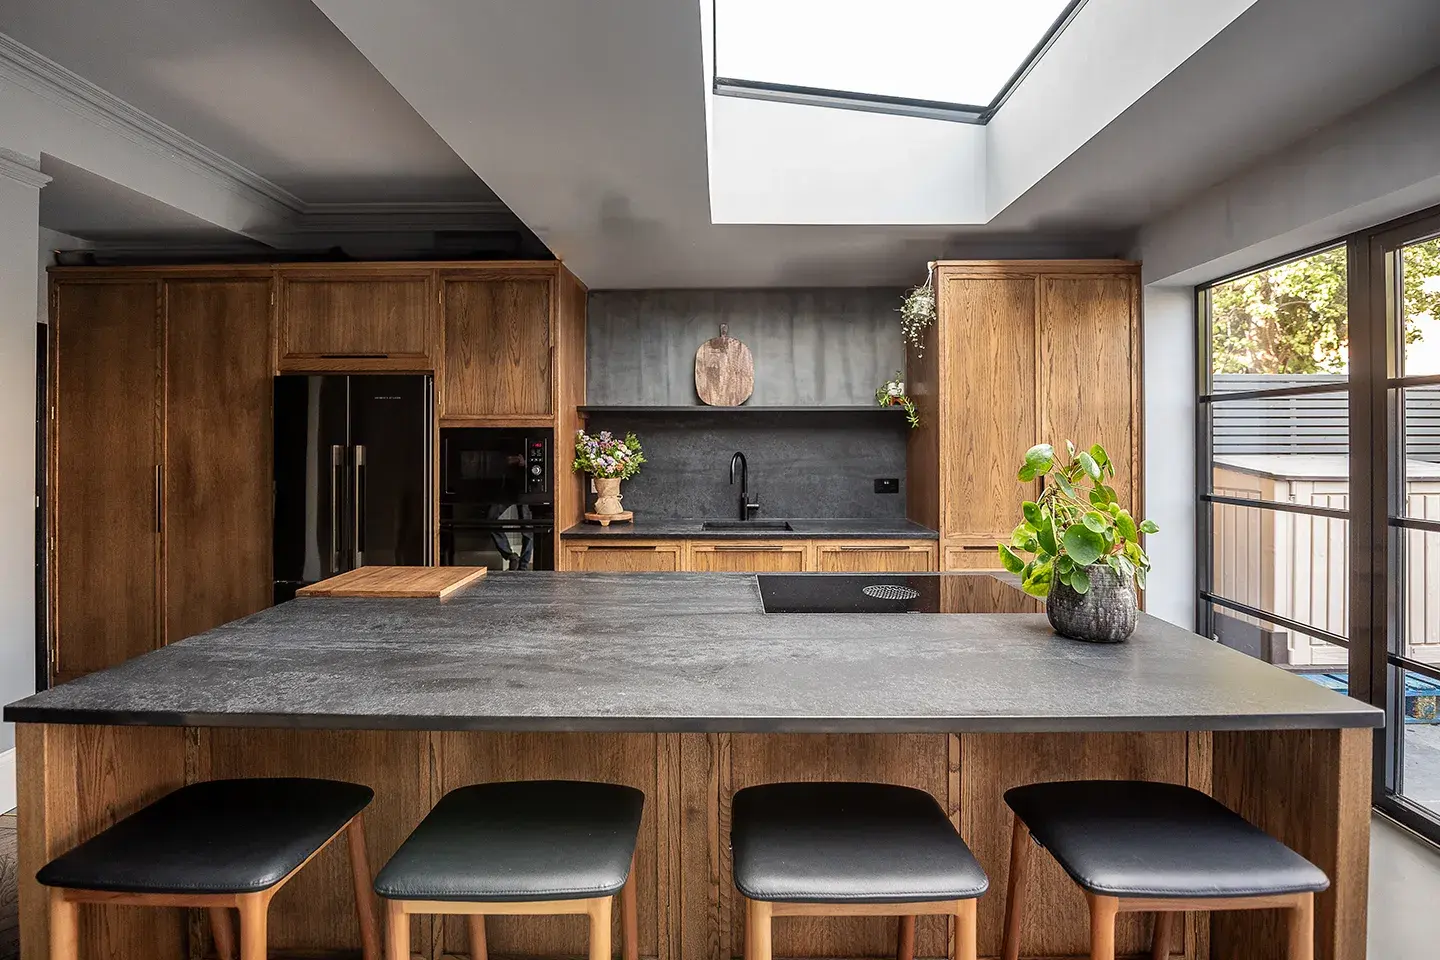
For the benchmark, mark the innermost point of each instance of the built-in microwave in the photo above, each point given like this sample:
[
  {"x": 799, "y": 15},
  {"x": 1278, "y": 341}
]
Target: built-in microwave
[{"x": 497, "y": 498}]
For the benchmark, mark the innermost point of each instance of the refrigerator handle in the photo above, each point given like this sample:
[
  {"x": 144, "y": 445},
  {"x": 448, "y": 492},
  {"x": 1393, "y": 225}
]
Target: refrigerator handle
[
  {"x": 337, "y": 465},
  {"x": 359, "y": 497}
]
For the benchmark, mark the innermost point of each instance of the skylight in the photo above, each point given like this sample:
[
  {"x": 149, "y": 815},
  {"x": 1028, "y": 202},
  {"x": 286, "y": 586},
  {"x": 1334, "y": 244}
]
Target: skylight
[{"x": 953, "y": 58}]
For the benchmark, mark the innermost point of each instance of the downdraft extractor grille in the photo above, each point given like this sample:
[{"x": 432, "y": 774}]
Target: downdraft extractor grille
[{"x": 890, "y": 591}]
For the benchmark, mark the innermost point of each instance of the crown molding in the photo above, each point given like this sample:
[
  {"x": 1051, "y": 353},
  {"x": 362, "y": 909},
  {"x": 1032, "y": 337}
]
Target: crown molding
[
  {"x": 22, "y": 169},
  {"x": 44, "y": 77}
]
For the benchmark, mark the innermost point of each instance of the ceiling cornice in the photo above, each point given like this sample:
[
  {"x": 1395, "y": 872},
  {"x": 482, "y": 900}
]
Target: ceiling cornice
[
  {"x": 39, "y": 74},
  {"x": 22, "y": 169}
]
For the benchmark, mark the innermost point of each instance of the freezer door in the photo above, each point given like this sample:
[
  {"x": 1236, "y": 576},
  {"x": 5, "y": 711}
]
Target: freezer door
[
  {"x": 311, "y": 481},
  {"x": 390, "y": 467}
]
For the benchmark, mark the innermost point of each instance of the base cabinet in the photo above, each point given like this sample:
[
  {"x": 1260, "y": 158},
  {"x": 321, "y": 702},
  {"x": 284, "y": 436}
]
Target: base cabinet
[{"x": 750, "y": 556}]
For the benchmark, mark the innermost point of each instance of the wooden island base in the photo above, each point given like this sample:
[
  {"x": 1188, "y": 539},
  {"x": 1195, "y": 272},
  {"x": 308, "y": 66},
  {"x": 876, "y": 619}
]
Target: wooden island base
[{"x": 1310, "y": 788}]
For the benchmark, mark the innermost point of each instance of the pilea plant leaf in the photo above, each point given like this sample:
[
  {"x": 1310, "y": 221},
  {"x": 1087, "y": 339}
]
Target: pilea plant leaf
[
  {"x": 1010, "y": 560},
  {"x": 1084, "y": 545}
]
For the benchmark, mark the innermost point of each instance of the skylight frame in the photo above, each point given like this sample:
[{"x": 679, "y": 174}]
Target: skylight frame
[{"x": 881, "y": 103}]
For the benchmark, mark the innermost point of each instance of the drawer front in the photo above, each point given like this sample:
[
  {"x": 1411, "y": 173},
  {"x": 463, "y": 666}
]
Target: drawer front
[
  {"x": 748, "y": 557},
  {"x": 655, "y": 557},
  {"x": 874, "y": 557},
  {"x": 972, "y": 555}
]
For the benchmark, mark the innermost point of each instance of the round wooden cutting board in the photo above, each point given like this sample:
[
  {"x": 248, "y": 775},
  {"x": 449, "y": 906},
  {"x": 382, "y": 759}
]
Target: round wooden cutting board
[{"x": 724, "y": 371}]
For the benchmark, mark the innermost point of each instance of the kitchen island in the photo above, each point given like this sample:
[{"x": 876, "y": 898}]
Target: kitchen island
[{"x": 682, "y": 686}]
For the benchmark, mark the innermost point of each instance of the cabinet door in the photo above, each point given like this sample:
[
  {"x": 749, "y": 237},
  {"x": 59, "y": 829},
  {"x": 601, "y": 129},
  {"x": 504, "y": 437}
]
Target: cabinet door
[
  {"x": 656, "y": 557},
  {"x": 987, "y": 412},
  {"x": 497, "y": 347},
  {"x": 218, "y": 449},
  {"x": 748, "y": 557},
  {"x": 1087, "y": 370},
  {"x": 358, "y": 323},
  {"x": 104, "y": 478},
  {"x": 874, "y": 557}
]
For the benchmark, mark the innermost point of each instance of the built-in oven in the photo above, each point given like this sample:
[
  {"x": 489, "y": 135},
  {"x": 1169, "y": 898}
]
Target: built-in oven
[{"x": 497, "y": 499}]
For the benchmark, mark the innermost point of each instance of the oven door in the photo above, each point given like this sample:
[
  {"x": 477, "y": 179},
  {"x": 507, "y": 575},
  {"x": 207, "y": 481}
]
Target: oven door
[
  {"x": 501, "y": 536},
  {"x": 482, "y": 465}
]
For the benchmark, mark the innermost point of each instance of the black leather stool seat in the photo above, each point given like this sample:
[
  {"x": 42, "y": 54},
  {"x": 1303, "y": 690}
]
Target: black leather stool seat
[
  {"x": 1129, "y": 838},
  {"x": 518, "y": 841},
  {"x": 848, "y": 843},
  {"x": 218, "y": 836}
]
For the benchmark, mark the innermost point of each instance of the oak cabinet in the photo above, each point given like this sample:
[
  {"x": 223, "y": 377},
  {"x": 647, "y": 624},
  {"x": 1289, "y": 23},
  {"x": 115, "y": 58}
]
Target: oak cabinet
[
  {"x": 105, "y": 450},
  {"x": 661, "y": 556},
  {"x": 497, "y": 353},
  {"x": 1021, "y": 352},
  {"x": 748, "y": 557},
  {"x": 869, "y": 556},
  {"x": 355, "y": 323},
  {"x": 159, "y": 462}
]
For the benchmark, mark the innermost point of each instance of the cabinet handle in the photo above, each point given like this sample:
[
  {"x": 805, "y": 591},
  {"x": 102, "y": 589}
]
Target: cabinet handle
[
  {"x": 762, "y": 548},
  {"x": 878, "y": 548},
  {"x": 977, "y": 546},
  {"x": 159, "y": 497},
  {"x": 628, "y": 546}
]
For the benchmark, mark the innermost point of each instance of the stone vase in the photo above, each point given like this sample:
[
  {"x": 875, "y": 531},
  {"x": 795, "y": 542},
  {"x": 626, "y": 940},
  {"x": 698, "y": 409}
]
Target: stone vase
[
  {"x": 607, "y": 496},
  {"x": 1107, "y": 613}
]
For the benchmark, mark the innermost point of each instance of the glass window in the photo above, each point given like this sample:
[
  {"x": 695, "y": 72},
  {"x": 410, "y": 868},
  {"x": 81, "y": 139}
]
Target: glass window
[
  {"x": 1419, "y": 592},
  {"x": 1420, "y": 746},
  {"x": 884, "y": 49},
  {"x": 1420, "y": 296},
  {"x": 1421, "y": 460},
  {"x": 1284, "y": 326},
  {"x": 1290, "y": 448}
]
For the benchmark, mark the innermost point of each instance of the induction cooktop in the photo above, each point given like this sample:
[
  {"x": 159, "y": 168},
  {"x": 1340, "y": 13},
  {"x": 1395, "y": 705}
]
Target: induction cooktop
[{"x": 850, "y": 593}]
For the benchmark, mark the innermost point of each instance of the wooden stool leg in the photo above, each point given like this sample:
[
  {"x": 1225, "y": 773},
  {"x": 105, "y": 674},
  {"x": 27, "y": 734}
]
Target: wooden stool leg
[
  {"x": 905, "y": 939},
  {"x": 600, "y": 929},
  {"x": 64, "y": 927},
  {"x": 1301, "y": 923},
  {"x": 629, "y": 919},
  {"x": 364, "y": 889},
  {"x": 222, "y": 932},
  {"x": 254, "y": 920},
  {"x": 397, "y": 931},
  {"x": 965, "y": 930},
  {"x": 476, "y": 925},
  {"x": 1102, "y": 926},
  {"x": 1015, "y": 889},
  {"x": 757, "y": 929},
  {"x": 1160, "y": 941}
]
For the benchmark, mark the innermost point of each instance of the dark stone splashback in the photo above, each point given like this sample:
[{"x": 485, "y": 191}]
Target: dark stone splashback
[
  {"x": 801, "y": 464},
  {"x": 811, "y": 346}
]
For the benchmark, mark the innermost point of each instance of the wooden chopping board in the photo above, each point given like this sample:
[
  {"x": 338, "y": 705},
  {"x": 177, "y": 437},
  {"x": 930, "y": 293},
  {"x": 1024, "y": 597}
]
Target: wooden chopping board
[
  {"x": 724, "y": 371},
  {"x": 423, "y": 582}
]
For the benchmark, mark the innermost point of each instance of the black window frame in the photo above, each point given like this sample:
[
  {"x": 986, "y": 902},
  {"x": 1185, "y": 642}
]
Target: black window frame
[
  {"x": 1375, "y": 630},
  {"x": 880, "y": 103}
]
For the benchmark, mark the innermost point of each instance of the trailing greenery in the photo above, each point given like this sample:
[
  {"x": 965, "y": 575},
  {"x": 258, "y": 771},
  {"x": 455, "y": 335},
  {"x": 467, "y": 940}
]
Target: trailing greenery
[
  {"x": 917, "y": 313},
  {"x": 892, "y": 394},
  {"x": 1069, "y": 530}
]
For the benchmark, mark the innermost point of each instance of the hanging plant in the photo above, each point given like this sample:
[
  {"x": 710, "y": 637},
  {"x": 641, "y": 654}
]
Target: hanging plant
[
  {"x": 892, "y": 394},
  {"x": 917, "y": 313}
]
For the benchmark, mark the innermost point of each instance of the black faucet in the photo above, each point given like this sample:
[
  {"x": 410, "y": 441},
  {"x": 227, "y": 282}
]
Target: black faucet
[{"x": 747, "y": 507}]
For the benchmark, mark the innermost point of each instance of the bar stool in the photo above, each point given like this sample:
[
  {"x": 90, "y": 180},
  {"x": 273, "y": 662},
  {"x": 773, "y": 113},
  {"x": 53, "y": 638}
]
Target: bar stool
[
  {"x": 1138, "y": 846},
  {"x": 529, "y": 847},
  {"x": 850, "y": 849},
  {"x": 217, "y": 844}
]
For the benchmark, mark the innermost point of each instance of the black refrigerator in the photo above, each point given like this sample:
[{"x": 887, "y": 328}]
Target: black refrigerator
[{"x": 353, "y": 475}]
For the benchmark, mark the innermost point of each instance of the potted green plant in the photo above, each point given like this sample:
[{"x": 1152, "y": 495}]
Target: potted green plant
[
  {"x": 1077, "y": 547},
  {"x": 608, "y": 459}
]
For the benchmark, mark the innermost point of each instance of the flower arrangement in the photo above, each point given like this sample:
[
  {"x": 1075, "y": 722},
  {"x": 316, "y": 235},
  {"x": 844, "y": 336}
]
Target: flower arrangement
[
  {"x": 607, "y": 456},
  {"x": 1069, "y": 532},
  {"x": 917, "y": 313},
  {"x": 892, "y": 394}
]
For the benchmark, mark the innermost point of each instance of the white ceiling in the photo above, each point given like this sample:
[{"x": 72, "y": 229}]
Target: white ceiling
[{"x": 270, "y": 84}]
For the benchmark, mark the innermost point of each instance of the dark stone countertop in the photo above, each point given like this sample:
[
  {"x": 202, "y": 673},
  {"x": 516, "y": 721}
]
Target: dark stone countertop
[
  {"x": 646, "y": 528},
  {"x": 680, "y": 652}
]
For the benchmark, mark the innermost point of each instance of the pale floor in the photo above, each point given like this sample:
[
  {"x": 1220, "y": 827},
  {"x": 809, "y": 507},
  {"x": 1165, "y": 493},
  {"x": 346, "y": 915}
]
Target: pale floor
[{"x": 1404, "y": 891}]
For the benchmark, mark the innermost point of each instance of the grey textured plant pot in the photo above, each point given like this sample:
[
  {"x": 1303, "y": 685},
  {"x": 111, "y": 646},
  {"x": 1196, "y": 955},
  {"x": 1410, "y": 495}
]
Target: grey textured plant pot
[{"x": 1105, "y": 614}]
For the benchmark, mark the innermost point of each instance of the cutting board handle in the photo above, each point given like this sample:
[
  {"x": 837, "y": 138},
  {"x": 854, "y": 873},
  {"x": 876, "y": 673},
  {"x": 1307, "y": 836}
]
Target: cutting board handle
[{"x": 724, "y": 331}]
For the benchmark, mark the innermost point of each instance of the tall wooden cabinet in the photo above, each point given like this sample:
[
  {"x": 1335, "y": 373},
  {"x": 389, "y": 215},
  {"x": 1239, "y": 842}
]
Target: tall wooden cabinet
[
  {"x": 160, "y": 461},
  {"x": 1021, "y": 352}
]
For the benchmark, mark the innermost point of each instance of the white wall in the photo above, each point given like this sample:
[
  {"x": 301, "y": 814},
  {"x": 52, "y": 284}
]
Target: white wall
[
  {"x": 19, "y": 235},
  {"x": 1404, "y": 889}
]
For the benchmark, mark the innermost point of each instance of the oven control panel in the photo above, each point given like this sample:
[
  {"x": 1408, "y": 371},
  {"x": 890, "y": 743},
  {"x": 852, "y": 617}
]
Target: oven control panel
[{"x": 537, "y": 465}]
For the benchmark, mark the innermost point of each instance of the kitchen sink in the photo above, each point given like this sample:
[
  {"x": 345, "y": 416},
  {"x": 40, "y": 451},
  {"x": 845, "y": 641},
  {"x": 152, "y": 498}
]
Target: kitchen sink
[{"x": 782, "y": 525}]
